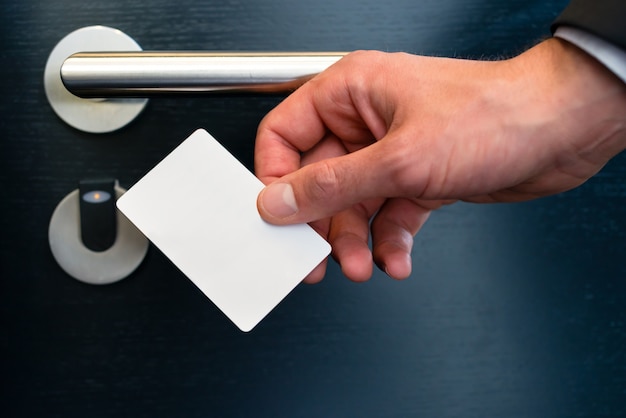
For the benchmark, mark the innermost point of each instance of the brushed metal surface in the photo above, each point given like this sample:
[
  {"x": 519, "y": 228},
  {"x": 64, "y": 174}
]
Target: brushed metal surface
[{"x": 147, "y": 74}]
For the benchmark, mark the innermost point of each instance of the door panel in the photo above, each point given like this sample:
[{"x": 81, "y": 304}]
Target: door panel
[{"x": 512, "y": 310}]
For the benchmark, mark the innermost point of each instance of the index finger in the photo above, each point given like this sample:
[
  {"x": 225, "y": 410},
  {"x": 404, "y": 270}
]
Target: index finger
[{"x": 291, "y": 128}]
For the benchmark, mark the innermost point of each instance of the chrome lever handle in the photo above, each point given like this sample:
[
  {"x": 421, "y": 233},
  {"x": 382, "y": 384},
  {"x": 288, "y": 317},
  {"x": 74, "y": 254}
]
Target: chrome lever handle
[
  {"x": 95, "y": 90},
  {"x": 149, "y": 74}
]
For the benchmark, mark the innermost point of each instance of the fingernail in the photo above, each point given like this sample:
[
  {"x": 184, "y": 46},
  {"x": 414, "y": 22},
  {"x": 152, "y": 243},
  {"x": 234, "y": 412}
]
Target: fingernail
[{"x": 279, "y": 200}]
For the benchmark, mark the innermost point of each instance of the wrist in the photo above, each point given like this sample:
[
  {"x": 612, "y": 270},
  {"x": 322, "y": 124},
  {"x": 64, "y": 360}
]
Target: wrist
[{"x": 583, "y": 102}]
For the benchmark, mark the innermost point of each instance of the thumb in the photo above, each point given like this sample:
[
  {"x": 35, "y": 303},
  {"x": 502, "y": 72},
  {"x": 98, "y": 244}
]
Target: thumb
[{"x": 324, "y": 188}]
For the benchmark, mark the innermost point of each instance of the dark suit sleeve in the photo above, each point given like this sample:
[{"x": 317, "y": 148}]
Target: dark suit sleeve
[{"x": 603, "y": 18}]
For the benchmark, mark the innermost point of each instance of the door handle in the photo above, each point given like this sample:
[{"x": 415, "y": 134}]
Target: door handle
[
  {"x": 95, "y": 90},
  {"x": 149, "y": 74}
]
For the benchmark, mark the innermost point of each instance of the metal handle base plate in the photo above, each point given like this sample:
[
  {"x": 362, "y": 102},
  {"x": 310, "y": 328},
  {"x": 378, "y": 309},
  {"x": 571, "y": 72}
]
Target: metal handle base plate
[{"x": 89, "y": 115}]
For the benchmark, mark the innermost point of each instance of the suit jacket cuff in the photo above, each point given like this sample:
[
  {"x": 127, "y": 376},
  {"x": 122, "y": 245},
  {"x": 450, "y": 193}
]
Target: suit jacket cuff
[{"x": 607, "y": 53}]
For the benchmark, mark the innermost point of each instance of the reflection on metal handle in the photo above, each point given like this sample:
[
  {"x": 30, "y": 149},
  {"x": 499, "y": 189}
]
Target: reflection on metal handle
[{"x": 147, "y": 74}]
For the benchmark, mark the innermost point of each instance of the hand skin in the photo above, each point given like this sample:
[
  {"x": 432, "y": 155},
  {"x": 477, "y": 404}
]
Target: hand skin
[{"x": 390, "y": 137}]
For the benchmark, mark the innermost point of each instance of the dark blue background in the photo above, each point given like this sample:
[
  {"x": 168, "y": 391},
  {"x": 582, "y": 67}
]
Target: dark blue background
[{"x": 512, "y": 310}]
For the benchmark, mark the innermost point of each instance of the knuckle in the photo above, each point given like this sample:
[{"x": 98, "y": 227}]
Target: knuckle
[
  {"x": 324, "y": 184},
  {"x": 366, "y": 56}
]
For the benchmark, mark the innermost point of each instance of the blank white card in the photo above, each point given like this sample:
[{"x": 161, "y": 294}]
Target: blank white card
[{"x": 198, "y": 206}]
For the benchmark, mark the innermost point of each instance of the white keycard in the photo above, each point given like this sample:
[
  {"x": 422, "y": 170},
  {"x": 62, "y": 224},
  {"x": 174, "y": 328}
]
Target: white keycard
[{"x": 198, "y": 206}]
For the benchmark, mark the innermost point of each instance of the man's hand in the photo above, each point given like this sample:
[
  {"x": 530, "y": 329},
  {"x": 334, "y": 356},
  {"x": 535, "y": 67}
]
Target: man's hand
[{"x": 378, "y": 141}]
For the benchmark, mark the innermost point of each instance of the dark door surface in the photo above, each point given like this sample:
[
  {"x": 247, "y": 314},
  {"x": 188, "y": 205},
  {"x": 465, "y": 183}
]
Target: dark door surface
[{"x": 511, "y": 311}]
